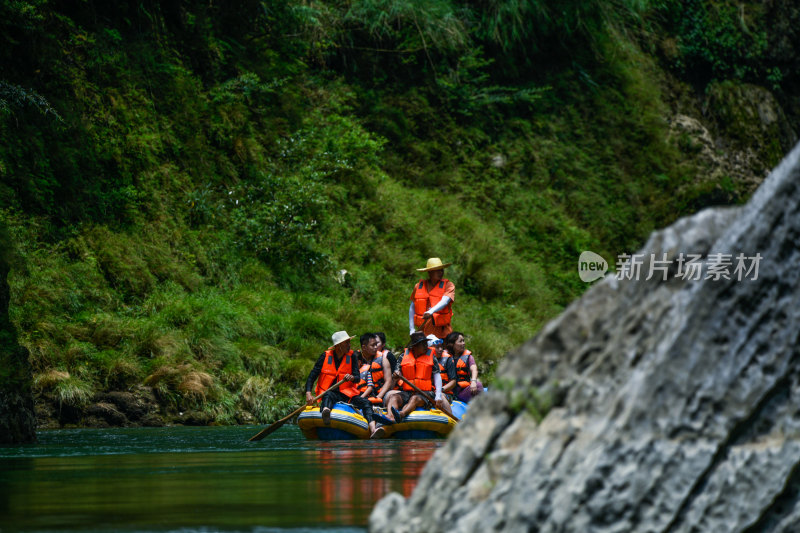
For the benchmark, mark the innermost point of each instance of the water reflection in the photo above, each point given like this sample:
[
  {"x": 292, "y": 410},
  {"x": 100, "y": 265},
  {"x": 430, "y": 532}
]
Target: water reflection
[
  {"x": 109, "y": 480},
  {"x": 352, "y": 477}
]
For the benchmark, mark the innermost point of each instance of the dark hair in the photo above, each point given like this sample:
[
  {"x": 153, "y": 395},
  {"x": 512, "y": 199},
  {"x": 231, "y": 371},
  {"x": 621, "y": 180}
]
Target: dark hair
[
  {"x": 450, "y": 341},
  {"x": 366, "y": 337},
  {"x": 381, "y": 336}
]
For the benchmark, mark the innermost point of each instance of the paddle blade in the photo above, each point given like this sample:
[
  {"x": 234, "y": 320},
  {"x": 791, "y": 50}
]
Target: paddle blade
[{"x": 266, "y": 431}]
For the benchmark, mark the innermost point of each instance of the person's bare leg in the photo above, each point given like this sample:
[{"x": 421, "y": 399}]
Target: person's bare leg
[
  {"x": 446, "y": 407},
  {"x": 392, "y": 401},
  {"x": 414, "y": 402}
]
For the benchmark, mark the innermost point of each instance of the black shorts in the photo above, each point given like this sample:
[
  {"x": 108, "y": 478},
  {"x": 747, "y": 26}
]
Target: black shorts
[
  {"x": 406, "y": 395},
  {"x": 332, "y": 397}
]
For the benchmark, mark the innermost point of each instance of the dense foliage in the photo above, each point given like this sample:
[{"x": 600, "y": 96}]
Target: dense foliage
[{"x": 183, "y": 181}]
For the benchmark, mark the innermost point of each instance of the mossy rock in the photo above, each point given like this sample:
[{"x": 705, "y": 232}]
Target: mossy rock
[{"x": 750, "y": 119}]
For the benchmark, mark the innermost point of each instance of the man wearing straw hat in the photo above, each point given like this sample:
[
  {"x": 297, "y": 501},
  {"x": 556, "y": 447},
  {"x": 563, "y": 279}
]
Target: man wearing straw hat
[
  {"x": 338, "y": 363},
  {"x": 432, "y": 301}
]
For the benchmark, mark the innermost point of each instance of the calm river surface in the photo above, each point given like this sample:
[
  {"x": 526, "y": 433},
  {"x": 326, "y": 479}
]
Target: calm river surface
[{"x": 200, "y": 479}]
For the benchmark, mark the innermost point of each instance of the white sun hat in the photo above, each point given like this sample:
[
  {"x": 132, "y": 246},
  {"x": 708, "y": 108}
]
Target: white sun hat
[
  {"x": 341, "y": 336},
  {"x": 433, "y": 340}
]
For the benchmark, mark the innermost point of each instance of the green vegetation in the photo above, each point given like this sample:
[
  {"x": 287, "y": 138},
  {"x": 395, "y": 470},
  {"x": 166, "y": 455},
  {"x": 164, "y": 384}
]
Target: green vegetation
[
  {"x": 536, "y": 403},
  {"x": 721, "y": 40},
  {"x": 182, "y": 182}
]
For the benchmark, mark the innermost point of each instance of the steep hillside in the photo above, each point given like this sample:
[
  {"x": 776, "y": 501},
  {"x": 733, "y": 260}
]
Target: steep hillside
[{"x": 182, "y": 182}]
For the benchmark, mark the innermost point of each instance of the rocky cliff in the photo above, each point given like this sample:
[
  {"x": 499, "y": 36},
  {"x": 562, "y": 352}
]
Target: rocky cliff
[
  {"x": 675, "y": 403},
  {"x": 17, "y": 420}
]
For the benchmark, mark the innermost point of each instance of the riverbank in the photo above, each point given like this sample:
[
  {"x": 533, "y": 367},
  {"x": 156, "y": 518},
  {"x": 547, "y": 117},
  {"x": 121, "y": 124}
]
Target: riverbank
[{"x": 138, "y": 407}]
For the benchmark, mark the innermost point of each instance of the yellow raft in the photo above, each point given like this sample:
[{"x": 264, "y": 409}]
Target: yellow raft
[{"x": 347, "y": 423}]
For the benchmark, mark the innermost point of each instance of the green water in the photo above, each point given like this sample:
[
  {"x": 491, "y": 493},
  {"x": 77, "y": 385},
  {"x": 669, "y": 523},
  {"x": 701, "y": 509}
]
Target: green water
[{"x": 200, "y": 479}]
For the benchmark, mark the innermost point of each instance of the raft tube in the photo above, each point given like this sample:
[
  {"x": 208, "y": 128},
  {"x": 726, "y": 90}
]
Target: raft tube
[{"x": 348, "y": 423}]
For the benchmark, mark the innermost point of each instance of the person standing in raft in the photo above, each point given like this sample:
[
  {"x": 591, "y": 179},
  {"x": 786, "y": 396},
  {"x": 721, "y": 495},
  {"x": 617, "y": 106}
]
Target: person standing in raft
[
  {"x": 335, "y": 364},
  {"x": 432, "y": 301},
  {"x": 418, "y": 366},
  {"x": 467, "y": 385}
]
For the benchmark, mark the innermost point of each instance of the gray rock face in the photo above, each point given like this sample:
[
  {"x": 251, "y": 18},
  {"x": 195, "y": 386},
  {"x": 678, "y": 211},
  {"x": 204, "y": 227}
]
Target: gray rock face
[{"x": 676, "y": 403}]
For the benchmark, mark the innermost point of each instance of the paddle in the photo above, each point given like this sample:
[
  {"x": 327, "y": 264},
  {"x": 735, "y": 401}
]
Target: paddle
[
  {"x": 264, "y": 432},
  {"x": 422, "y": 327},
  {"x": 430, "y": 400}
]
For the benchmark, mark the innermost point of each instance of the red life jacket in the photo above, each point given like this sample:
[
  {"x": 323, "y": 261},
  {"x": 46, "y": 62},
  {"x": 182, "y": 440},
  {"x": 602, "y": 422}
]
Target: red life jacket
[
  {"x": 424, "y": 299},
  {"x": 463, "y": 373},
  {"x": 418, "y": 370},
  {"x": 330, "y": 374}
]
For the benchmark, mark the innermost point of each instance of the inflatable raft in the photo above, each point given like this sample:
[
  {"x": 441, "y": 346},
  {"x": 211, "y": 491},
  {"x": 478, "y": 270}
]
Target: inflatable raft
[{"x": 348, "y": 423}]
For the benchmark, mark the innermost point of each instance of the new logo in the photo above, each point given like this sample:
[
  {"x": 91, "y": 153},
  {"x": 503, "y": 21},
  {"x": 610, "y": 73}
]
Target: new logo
[{"x": 591, "y": 266}]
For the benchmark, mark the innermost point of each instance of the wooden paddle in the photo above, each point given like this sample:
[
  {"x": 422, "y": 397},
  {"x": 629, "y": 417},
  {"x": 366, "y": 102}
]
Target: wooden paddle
[
  {"x": 264, "y": 432},
  {"x": 424, "y": 322},
  {"x": 430, "y": 400}
]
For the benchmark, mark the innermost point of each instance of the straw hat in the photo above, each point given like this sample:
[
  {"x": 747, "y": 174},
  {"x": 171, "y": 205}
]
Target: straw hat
[
  {"x": 434, "y": 263},
  {"x": 341, "y": 336}
]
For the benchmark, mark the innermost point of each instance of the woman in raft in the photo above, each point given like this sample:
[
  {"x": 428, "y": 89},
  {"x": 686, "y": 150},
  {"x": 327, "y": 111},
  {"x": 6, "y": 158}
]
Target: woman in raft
[{"x": 467, "y": 385}]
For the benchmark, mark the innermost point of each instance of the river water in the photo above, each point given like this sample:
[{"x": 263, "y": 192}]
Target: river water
[{"x": 200, "y": 479}]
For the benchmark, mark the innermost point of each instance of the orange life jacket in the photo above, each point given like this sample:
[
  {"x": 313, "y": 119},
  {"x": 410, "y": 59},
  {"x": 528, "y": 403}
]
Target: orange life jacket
[
  {"x": 463, "y": 373},
  {"x": 362, "y": 384},
  {"x": 424, "y": 299},
  {"x": 365, "y": 369},
  {"x": 443, "y": 363},
  {"x": 330, "y": 374},
  {"x": 376, "y": 368},
  {"x": 418, "y": 370},
  {"x": 445, "y": 378}
]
